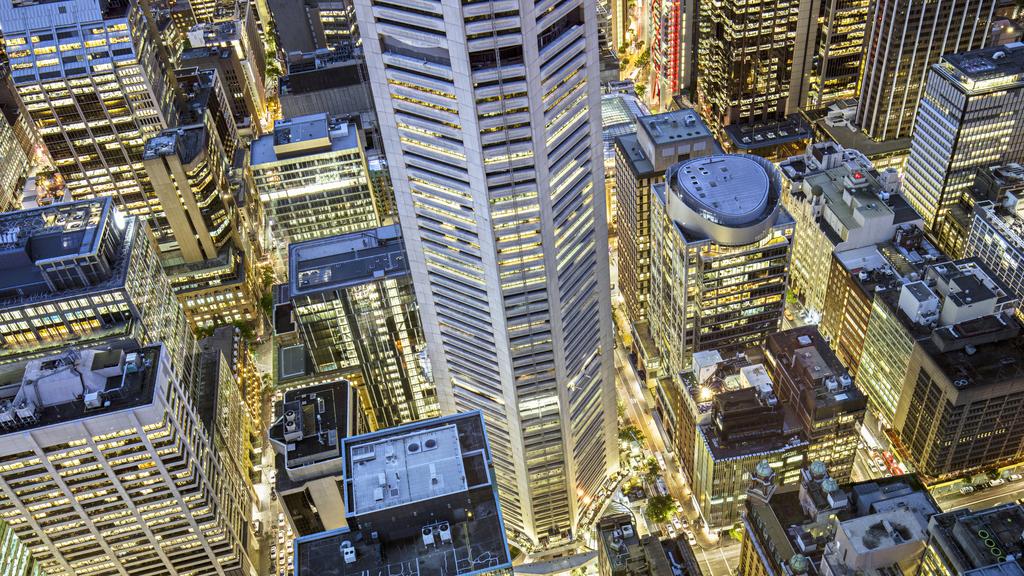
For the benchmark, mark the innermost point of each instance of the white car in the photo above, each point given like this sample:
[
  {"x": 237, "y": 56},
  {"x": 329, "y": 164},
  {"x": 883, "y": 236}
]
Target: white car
[
  {"x": 997, "y": 482},
  {"x": 967, "y": 490},
  {"x": 1014, "y": 477},
  {"x": 690, "y": 538},
  {"x": 677, "y": 523}
]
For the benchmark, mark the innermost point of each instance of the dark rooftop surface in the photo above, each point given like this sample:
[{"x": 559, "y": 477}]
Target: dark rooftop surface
[
  {"x": 346, "y": 260},
  {"x": 763, "y": 134},
  {"x": 48, "y": 391},
  {"x": 454, "y": 533},
  {"x": 988, "y": 63},
  {"x": 822, "y": 383},
  {"x": 29, "y": 238},
  {"x": 969, "y": 538},
  {"x": 310, "y": 424}
]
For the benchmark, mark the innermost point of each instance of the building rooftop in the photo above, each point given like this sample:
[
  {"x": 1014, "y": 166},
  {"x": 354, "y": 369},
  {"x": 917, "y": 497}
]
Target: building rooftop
[
  {"x": 675, "y": 126},
  {"x": 214, "y": 33},
  {"x": 185, "y": 142},
  {"x": 76, "y": 385},
  {"x": 620, "y": 110},
  {"x": 346, "y": 260},
  {"x": 617, "y": 535},
  {"x": 311, "y": 424},
  {"x": 302, "y": 136},
  {"x": 731, "y": 198},
  {"x": 802, "y": 519},
  {"x": 321, "y": 70},
  {"x": 823, "y": 385},
  {"x": 754, "y": 136},
  {"x": 973, "y": 540},
  {"x": 750, "y": 422},
  {"x": 37, "y": 240},
  {"x": 457, "y": 527},
  {"x": 986, "y": 64}
]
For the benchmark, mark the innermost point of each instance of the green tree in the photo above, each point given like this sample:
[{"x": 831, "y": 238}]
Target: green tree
[
  {"x": 661, "y": 508},
  {"x": 651, "y": 470},
  {"x": 630, "y": 433}
]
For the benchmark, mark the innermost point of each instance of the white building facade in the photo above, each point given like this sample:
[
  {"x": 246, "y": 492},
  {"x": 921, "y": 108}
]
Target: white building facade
[{"x": 490, "y": 116}]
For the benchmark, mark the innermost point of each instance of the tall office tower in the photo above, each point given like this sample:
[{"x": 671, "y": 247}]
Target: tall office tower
[
  {"x": 809, "y": 378},
  {"x": 111, "y": 470},
  {"x": 904, "y": 38},
  {"x": 12, "y": 169},
  {"x": 975, "y": 543},
  {"x": 311, "y": 176},
  {"x": 942, "y": 338},
  {"x": 871, "y": 527},
  {"x": 832, "y": 32},
  {"x": 746, "y": 54},
  {"x": 492, "y": 133},
  {"x": 309, "y": 426},
  {"x": 419, "y": 499},
  {"x": 671, "y": 50},
  {"x": 971, "y": 116},
  {"x": 89, "y": 76},
  {"x": 223, "y": 407},
  {"x": 619, "y": 111},
  {"x": 334, "y": 25},
  {"x": 840, "y": 202},
  {"x": 720, "y": 249},
  {"x": 997, "y": 238},
  {"x": 212, "y": 11},
  {"x": 640, "y": 161},
  {"x": 15, "y": 558},
  {"x": 354, "y": 302},
  {"x": 204, "y": 255},
  {"x": 227, "y": 347},
  {"x": 238, "y": 56},
  {"x": 80, "y": 272}
]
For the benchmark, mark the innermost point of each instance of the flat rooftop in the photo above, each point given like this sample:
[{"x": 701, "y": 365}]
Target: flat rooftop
[
  {"x": 754, "y": 136},
  {"x": 76, "y": 385},
  {"x": 30, "y": 239},
  {"x": 346, "y": 260},
  {"x": 1006, "y": 62},
  {"x": 403, "y": 469},
  {"x": 735, "y": 189},
  {"x": 457, "y": 529},
  {"x": 812, "y": 365},
  {"x": 186, "y": 142},
  {"x": 968, "y": 538},
  {"x": 302, "y": 136},
  {"x": 310, "y": 424},
  {"x": 674, "y": 126}
]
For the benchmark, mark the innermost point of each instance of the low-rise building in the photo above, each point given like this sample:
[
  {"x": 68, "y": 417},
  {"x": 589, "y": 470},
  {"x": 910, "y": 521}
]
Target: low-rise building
[
  {"x": 623, "y": 552},
  {"x": 997, "y": 227},
  {"x": 839, "y": 202}
]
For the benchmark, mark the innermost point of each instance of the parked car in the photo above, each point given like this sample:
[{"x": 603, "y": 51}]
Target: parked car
[
  {"x": 996, "y": 482},
  {"x": 788, "y": 314},
  {"x": 1014, "y": 477},
  {"x": 967, "y": 490},
  {"x": 690, "y": 538}
]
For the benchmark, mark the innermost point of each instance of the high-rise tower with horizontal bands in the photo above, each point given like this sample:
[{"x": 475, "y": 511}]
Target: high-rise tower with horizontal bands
[{"x": 489, "y": 112}]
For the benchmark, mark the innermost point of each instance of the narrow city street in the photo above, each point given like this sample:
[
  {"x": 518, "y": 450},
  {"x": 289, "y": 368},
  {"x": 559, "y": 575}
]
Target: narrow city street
[{"x": 717, "y": 557}]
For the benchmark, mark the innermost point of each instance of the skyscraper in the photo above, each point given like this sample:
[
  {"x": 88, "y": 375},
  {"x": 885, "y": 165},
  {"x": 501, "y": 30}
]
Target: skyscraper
[
  {"x": 971, "y": 116},
  {"x": 904, "y": 38},
  {"x": 720, "y": 249},
  {"x": 110, "y": 469},
  {"x": 831, "y": 40},
  {"x": 89, "y": 77},
  {"x": 312, "y": 178},
  {"x": 80, "y": 272},
  {"x": 490, "y": 121},
  {"x": 13, "y": 169},
  {"x": 354, "y": 302}
]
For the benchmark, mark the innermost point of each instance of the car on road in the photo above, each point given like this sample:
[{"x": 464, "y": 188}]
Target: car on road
[
  {"x": 1014, "y": 477},
  {"x": 788, "y": 314},
  {"x": 965, "y": 490},
  {"x": 690, "y": 538},
  {"x": 996, "y": 482},
  {"x": 675, "y": 522}
]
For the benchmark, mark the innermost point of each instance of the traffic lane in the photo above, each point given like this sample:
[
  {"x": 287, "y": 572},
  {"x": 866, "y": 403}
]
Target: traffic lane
[{"x": 986, "y": 498}]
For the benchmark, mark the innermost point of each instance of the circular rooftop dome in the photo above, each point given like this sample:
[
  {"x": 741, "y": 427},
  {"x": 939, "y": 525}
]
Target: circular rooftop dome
[{"x": 730, "y": 198}]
